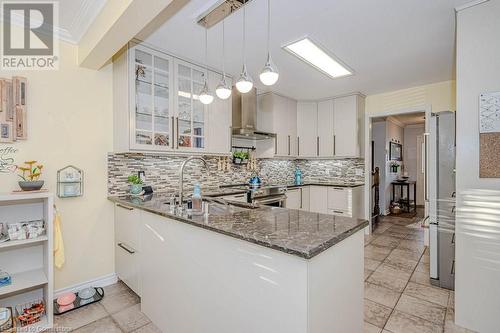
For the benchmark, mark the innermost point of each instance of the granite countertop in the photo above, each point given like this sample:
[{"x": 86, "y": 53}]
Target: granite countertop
[
  {"x": 300, "y": 233},
  {"x": 320, "y": 183}
]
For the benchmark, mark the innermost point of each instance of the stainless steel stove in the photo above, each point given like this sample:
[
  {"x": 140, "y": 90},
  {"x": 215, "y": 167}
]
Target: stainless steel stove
[{"x": 269, "y": 195}]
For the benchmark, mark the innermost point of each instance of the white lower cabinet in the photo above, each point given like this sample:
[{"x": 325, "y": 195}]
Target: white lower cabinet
[
  {"x": 318, "y": 199},
  {"x": 294, "y": 198},
  {"x": 128, "y": 246},
  {"x": 341, "y": 201}
]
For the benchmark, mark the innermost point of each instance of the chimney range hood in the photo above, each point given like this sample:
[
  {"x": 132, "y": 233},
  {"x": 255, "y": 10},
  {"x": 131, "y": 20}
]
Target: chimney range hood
[{"x": 245, "y": 117}]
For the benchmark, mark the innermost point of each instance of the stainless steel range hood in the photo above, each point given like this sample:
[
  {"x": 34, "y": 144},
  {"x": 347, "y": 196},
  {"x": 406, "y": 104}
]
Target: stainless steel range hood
[{"x": 245, "y": 117}]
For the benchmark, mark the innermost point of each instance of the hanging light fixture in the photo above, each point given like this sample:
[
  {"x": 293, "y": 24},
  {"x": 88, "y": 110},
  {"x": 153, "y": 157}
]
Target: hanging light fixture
[
  {"x": 205, "y": 96},
  {"x": 244, "y": 83},
  {"x": 269, "y": 74},
  {"x": 223, "y": 91}
]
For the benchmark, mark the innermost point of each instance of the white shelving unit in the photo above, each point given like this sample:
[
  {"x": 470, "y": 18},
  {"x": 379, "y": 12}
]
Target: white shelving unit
[{"x": 29, "y": 262}]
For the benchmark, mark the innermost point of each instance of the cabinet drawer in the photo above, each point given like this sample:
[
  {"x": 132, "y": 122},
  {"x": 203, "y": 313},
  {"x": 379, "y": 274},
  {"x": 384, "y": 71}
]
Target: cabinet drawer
[
  {"x": 127, "y": 226},
  {"x": 127, "y": 266},
  {"x": 339, "y": 198}
]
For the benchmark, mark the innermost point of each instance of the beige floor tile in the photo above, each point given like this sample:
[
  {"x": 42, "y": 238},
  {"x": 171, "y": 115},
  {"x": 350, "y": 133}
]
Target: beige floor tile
[
  {"x": 413, "y": 255},
  {"x": 400, "y": 322},
  {"x": 422, "y": 309},
  {"x": 377, "y": 252},
  {"x": 368, "y": 272},
  {"x": 372, "y": 264},
  {"x": 420, "y": 277},
  {"x": 400, "y": 235},
  {"x": 131, "y": 318},
  {"x": 118, "y": 298},
  {"x": 423, "y": 267},
  {"x": 105, "y": 324},
  {"x": 400, "y": 263},
  {"x": 397, "y": 272},
  {"x": 381, "y": 295},
  {"x": 149, "y": 328},
  {"x": 370, "y": 328},
  {"x": 386, "y": 241},
  {"x": 451, "y": 300},
  {"x": 411, "y": 245},
  {"x": 81, "y": 317},
  {"x": 450, "y": 326},
  {"x": 425, "y": 259},
  {"x": 431, "y": 294},
  {"x": 389, "y": 277},
  {"x": 376, "y": 314}
]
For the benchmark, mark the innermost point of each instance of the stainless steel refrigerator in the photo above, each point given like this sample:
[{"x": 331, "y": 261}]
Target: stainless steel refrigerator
[{"x": 442, "y": 199}]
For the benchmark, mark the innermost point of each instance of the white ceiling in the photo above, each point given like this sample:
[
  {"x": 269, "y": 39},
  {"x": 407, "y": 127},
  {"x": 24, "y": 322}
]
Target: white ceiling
[
  {"x": 389, "y": 44},
  {"x": 75, "y": 17}
]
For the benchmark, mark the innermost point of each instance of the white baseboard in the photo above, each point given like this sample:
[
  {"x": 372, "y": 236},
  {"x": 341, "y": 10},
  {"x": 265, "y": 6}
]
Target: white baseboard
[{"x": 102, "y": 281}]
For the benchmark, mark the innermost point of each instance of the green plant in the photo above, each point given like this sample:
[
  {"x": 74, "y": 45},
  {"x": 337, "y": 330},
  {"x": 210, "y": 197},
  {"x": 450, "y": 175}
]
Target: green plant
[
  {"x": 34, "y": 171},
  {"x": 240, "y": 155},
  {"x": 134, "y": 179}
]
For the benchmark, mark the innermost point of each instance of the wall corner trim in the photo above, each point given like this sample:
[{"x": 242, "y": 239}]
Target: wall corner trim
[{"x": 469, "y": 5}]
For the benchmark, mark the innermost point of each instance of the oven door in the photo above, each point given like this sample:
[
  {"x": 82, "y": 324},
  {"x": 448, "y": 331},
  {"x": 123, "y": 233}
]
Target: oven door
[{"x": 273, "y": 201}]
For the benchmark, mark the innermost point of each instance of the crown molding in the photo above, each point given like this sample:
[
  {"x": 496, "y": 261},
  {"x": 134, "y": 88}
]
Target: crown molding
[{"x": 469, "y": 5}]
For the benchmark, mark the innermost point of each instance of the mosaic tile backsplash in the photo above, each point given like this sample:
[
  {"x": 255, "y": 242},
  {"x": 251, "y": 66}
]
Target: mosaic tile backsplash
[{"x": 162, "y": 172}]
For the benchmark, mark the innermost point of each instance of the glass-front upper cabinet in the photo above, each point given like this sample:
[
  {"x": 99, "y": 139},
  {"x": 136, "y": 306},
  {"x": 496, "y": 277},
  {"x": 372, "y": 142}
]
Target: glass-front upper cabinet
[
  {"x": 191, "y": 113},
  {"x": 151, "y": 89}
]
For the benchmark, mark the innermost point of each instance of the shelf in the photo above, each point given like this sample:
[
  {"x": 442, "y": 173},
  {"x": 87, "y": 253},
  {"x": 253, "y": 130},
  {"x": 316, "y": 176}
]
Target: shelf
[
  {"x": 24, "y": 280},
  {"x": 22, "y": 242},
  {"x": 40, "y": 326}
]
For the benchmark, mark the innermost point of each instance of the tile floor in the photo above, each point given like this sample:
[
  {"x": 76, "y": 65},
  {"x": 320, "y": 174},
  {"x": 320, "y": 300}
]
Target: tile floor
[{"x": 398, "y": 295}]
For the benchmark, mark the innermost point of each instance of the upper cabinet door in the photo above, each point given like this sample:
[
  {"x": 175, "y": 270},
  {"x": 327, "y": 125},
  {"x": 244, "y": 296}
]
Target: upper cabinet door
[
  {"x": 151, "y": 128},
  {"x": 325, "y": 128},
  {"x": 346, "y": 121},
  {"x": 190, "y": 120},
  {"x": 307, "y": 123},
  {"x": 219, "y": 119},
  {"x": 291, "y": 117}
]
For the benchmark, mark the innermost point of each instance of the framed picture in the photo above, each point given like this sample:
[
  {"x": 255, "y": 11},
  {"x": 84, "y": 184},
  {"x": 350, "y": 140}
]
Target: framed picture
[{"x": 395, "y": 151}]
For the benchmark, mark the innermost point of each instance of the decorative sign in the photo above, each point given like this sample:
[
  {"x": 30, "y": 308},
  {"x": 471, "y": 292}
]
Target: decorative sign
[
  {"x": 7, "y": 164},
  {"x": 489, "y": 112}
]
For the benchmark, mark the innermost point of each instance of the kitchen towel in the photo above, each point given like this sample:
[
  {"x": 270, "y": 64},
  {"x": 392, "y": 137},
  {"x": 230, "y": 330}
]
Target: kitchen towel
[{"x": 59, "y": 257}]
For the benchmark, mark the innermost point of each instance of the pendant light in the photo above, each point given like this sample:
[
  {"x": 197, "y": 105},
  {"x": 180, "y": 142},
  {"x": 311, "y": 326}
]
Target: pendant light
[
  {"x": 269, "y": 74},
  {"x": 244, "y": 83},
  {"x": 205, "y": 96},
  {"x": 223, "y": 91}
]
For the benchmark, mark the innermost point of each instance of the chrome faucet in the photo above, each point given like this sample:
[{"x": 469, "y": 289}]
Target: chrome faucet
[{"x": 181, "y": 175}]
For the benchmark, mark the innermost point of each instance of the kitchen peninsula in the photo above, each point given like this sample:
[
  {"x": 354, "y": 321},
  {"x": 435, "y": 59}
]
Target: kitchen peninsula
[{"x": 238, "y": 269}]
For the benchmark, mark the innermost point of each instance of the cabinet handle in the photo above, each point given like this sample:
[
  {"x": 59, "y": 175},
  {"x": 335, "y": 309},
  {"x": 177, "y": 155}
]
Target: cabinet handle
[
  {"x": 338, "y": 212},
  {"x": 276, "y": 145},
  {"x": 317, "y": 145},
  {"x": 124, "y": 207},
  {"x": 300, "y": 198},
  {"x": 453, "y": 268},
  {"x": 334, "y": 145},
  {"x": 126, "y": 248},
  {"x": 453, "y": 239},
  {"x": 177, "y": 131},
  {"x": 230, "y": 139},
  {"x": 298, "y": 146},
  {"x": 289, "y": 145},
  {"x": 173, "y": 132}
]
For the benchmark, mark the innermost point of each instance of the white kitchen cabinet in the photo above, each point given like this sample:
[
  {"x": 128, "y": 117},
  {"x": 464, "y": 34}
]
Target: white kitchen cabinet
[
  {"x": 326, "y": 129},
  {"x": 318, "y": 199},
  {"x": 306, "y": 196},
  {"x": 157, "y": 108},
  {"x": 128, "y": 246},
  {"x": 293, "y": 198},
  {"x": 278, "y": 114},
  {"x": 346, "y": 201},
  {"x": 348, "y": 123},
  {"x": 219, "y": 119},
  {"x": 307, "y": 129}
]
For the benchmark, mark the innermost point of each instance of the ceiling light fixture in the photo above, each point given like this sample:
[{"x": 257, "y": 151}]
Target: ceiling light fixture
[
  {"x": 205, "y": 96},
  {"x": 269, "y": 74},
  {"x": 308, "y": 51},
  {"x": 245, "y": 82},
  {"x": 223, "y": 91}
]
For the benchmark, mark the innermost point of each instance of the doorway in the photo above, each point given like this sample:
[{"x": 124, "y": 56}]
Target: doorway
[{"x": 397, "y": 147}]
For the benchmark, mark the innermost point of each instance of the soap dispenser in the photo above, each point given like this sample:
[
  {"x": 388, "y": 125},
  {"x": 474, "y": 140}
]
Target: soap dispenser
[
  {"x": 197, "y": 203},
  {"x": 298, "y": 176}
]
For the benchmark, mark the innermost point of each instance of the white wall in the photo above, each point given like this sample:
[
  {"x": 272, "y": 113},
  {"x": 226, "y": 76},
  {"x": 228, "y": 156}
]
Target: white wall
[
  {"x": 411, "y": 157},
  {"x": 478, "y": 221},
  {"x": 380, "y": 158},
  {"x": 70, "y": 122}
]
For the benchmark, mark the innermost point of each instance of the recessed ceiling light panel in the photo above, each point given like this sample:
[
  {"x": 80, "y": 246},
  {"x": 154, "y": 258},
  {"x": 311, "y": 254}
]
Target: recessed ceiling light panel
[{"x": 316, "y": 56}]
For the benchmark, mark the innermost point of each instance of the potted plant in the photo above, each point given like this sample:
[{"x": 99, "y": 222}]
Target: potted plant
[
  {"x": 135, "y": 184},
  {"x": 240, "y": 157},
  {"x": 394, "y": 167},
  {"x": 30, "y": 174}
]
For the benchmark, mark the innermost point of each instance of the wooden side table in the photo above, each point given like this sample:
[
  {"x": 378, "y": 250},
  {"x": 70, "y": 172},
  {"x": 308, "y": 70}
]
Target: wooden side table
[{"x": 405, "y": 201}]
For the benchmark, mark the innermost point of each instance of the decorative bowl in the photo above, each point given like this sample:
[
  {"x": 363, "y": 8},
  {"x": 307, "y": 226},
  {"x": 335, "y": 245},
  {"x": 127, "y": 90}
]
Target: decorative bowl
[
  {"x": 66, "y": 299},
  {"x": 135, "y": 188},
  {"x": 27, "y": 185}
]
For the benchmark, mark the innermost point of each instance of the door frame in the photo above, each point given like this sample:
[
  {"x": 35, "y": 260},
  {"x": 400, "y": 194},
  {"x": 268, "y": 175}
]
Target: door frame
[{"x": 427, "y": 109}]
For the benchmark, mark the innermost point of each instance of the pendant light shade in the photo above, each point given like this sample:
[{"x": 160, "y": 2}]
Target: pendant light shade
[
  {"x": 269, "y": 74},
  {"x": 245, "y": 82},
  {"x": 223, "y": 91},
  {"x": 205, "y": 96}
]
